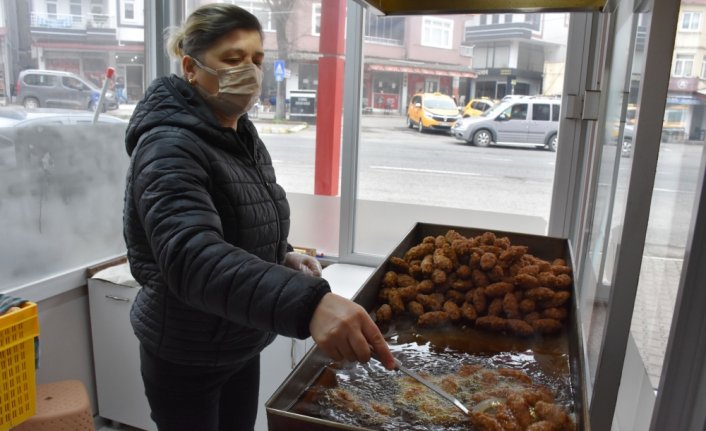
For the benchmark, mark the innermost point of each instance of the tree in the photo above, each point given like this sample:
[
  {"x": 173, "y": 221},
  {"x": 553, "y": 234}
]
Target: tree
[{"x": 281, "y": 11}]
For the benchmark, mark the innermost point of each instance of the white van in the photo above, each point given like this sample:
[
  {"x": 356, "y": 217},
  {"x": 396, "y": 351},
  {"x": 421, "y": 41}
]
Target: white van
[{"x": 531, "y": 121}]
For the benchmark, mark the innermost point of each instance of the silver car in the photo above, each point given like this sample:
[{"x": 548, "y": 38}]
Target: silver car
[
  {"x": 530, "y": 121},
  {"x": 58, "y": 89}
]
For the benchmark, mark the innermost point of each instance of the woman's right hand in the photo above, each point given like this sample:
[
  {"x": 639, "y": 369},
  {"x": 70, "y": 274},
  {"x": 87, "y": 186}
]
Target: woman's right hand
[{"x": 345, "y": 331}]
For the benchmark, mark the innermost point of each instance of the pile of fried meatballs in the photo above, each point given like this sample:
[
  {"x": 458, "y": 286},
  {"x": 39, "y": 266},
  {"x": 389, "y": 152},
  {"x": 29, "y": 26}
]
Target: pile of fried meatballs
[{"x": 483, "y": 281}]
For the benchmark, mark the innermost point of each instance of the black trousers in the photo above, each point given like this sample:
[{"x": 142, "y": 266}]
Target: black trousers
[{"x": 195, "y": 398}]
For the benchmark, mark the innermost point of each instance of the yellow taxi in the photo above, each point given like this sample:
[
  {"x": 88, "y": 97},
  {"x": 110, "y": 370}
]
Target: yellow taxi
[
  {"x": 432, "y": 111},
  {"x": 477, "y": 107}
]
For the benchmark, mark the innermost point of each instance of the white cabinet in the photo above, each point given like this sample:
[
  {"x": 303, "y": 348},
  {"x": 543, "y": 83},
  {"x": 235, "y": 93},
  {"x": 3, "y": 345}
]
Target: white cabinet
[{"x": 116, "y": 354}]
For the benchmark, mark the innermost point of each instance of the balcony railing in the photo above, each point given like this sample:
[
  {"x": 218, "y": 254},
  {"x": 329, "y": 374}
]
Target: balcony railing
[
  {"x": 72, "y": 22},
  {"x": 384, "y": 40}
]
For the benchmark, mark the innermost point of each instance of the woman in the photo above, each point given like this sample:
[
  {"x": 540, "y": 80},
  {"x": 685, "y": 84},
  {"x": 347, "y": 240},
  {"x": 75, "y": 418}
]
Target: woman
[{"x": 206, "y": 228}]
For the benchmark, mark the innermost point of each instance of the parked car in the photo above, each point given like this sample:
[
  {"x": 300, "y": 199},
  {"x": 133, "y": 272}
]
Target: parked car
[
  {"x": 532, "y": 121},
  {"x": 476, "y": 107},
  {"x": 432, "y": 111},
  {"x": 58, "y": 89}
]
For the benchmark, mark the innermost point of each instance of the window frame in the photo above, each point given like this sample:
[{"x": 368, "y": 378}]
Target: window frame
[
  {"x": 693, "y": 17},
  {"x": 431, "y": 23},
  {"x": 316, "y": 19},
  {"x": 679, "y": 70}
]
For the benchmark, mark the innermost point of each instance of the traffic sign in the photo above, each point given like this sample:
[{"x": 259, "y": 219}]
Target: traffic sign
[{"x": 279, "y": 70}]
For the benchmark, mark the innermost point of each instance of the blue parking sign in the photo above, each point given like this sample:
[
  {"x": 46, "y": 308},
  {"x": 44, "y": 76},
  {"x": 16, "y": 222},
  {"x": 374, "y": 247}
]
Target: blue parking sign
[{"x": 279, "y": 70}]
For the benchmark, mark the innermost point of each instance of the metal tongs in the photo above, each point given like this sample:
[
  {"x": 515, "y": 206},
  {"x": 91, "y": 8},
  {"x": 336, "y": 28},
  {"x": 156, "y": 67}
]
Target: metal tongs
[{"x": 442, "y": 393}]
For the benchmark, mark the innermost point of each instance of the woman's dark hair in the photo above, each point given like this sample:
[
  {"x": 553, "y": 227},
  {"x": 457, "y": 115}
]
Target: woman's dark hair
[{"x": 208, "y": 23}]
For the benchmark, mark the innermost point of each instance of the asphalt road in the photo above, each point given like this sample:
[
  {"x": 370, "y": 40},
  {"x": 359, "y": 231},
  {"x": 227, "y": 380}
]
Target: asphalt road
[{"x": 398, "y": 164}]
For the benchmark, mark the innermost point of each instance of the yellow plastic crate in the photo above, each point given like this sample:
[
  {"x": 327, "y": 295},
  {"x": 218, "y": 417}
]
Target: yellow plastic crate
[{"x": 18, "y": 386}]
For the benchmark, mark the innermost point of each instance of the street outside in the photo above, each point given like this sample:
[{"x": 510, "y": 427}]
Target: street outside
[{"x": 400, "y": 165}]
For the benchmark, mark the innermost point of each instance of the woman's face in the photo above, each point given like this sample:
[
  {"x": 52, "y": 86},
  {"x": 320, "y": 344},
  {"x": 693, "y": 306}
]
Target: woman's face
[{"x": 234, "y": 48}]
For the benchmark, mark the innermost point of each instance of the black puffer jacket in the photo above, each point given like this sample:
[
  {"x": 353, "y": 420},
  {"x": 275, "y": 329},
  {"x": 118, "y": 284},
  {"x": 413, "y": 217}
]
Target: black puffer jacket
[{"x": 206, "y": 229}]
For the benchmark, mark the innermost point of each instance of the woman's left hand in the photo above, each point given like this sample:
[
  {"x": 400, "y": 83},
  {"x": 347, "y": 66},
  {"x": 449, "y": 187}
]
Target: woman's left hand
[{"x": 303, "y": 262}]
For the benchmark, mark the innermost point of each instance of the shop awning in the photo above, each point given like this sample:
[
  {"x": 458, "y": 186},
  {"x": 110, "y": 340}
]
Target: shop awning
[
  {"x": 419, "y": 70},
  {"x": 407, "y": 7}
]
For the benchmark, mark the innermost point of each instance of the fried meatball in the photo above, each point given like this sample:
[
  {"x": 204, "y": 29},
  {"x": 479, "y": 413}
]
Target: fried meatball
[
  {"x": 496, "y": 307},
  {"x": 520, "y": 327},
  {"x": 462, "y": 247},
  {"x": 487, "y": 238},
  {"x": 438, "y": 276},
  {"x": 526, "y": 281},
  {"x": 384, "y": 293},
  {"x": 513, "y": 253},
  {"x": 531, "y": 317},
  {"x": 425, "y": 286},
  {"x": 532, "y": 270},
  {"x": 415, "y": 269},
  {"x": 383, "y": 314},
  {"x": 498, "y": 289},
  {"x": 464, "y": 272},
  {"x": 503, "y": 242},
  {"x": 408, "y": 293},
  {"x": 479, "y": 278},
  {"x": 415, "y": 308},
  {"x": 480, "y": 302},
  {"x": 546, "y": 326},
  {"x": 396, "y": 302},
  {"x": 544, "y": 266},
  {"x": 488, "y": 261},
  {"x": 561, "y": 269},
  {"x": 439, "y": 241},
  {"x": 462, "y": 285},
  {"x": 400, "y": 265},
  {"x": 484, "y": 422},
  {"x": 540, "y": 293},
  {"x": 555, "y": 313},
  {"x": 433, "y": 318},
  {"x": 491, "y": 323},
  {"x": 428, "y": 240},
  {"x": 558, "y": 299},
  {"x": 404, "y": 280},
  {"x": 474, "y": 261},
  {"x": 427, "y": 264},
  {"x": 468, "y": 312},
  {"x": 510, "y": 306},
  {"x": 496, "y": 273},
  {"x": 389, "y": 279},
  {"x": 527, "y": 306},
  {"x": 546, "y": 279},
  {"x": 542, "y": 426},
  {"x": 554, "y": 414},
  {"x": 430, "y": 303},
  {"x": 419, "y": 251},
  {"x": 452, "y": 235},
  {"x": 454, "y": 295},
  {"x": 563, "y": 281},
  {"x": 520, "y": 409},
  {"x": 452, "y": 311}
]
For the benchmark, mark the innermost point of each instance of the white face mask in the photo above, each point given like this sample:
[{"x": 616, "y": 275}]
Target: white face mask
[{"x": 238, "y": 88}]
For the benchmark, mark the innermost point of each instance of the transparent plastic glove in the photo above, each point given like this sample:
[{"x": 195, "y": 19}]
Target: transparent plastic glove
[{"x": 303, "y": 262}]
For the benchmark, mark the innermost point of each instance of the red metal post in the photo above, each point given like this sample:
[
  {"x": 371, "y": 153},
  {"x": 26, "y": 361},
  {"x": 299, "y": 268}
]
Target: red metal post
[{"x": 329, "y": 98}]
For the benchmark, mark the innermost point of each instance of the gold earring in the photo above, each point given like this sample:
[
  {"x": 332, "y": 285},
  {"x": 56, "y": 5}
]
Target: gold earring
[{"x": 191, "y": 81}]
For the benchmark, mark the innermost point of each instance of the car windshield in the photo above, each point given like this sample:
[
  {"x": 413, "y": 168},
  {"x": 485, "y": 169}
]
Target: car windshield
[{"x": 439, "y": 104}]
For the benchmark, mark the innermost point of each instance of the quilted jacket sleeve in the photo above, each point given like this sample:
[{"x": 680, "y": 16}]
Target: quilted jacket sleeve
[{"x": 170, "y": 184}]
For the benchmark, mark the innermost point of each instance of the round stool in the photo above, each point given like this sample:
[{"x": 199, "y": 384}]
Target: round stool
[{"x": 61, "y": 406}]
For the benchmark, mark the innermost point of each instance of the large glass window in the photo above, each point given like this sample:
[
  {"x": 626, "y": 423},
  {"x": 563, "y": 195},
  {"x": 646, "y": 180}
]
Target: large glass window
[
  {"x": 405, "y": 176},
  {"x": 61, "y": 175}
]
